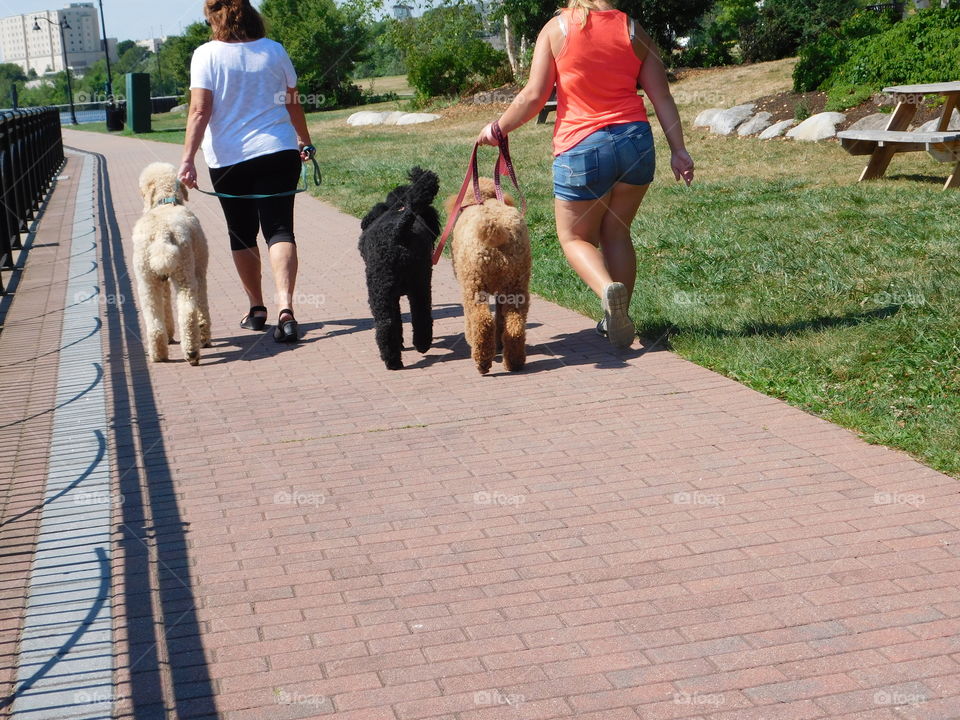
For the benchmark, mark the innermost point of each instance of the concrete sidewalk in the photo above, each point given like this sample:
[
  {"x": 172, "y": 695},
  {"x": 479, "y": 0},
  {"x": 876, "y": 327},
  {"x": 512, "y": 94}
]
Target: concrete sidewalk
[{"x": 300, "y": 532}]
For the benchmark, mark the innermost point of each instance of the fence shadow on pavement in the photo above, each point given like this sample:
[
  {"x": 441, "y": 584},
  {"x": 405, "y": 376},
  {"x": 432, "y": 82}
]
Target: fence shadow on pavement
[{"x": 168, "y": 669}]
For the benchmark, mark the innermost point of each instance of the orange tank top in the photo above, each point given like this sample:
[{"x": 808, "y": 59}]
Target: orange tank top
[{"x": 597, "y": 73}]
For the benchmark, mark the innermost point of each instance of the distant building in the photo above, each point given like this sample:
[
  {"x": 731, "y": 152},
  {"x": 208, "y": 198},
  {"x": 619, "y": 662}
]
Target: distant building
[
  {"x": 41, "y": 50},
  {"x": 402, "y": 12},
  {"x": 153, "y": 44}
]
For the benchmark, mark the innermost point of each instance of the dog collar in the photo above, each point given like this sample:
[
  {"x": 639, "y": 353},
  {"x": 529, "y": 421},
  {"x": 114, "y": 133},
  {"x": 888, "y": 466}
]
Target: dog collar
[{"x": 167, "y": 201}]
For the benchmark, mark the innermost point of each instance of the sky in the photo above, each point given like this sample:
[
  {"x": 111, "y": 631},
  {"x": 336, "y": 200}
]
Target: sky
[{"x": 126, "y": 19}]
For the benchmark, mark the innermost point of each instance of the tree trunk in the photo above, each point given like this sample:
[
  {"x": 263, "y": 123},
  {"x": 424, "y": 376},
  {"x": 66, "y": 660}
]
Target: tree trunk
[
  {"x": 508, "y": 42},
  {"x": 524, "y": 44}
]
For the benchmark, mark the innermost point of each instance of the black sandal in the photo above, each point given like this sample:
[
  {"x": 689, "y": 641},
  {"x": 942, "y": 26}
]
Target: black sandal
[
  {"x": 251, "y": 322},
  {"x": 286, "y": 331}
]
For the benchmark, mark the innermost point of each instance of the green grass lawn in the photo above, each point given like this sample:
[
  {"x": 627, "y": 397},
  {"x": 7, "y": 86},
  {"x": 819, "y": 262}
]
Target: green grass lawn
[{"x": 776, "y": 268}]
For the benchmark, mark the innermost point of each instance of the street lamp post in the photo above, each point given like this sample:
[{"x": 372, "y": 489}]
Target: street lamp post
[
  {"x": 106, "y": 53},
  {"x": 63, "y": 24}
]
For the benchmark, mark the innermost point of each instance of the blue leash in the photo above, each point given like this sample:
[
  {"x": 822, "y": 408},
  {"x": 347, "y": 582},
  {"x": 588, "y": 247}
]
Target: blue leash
[{"x": 304, "y": 182}]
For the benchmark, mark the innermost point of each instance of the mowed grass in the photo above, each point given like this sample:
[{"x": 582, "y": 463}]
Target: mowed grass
[{"x": 776, "y": 268}]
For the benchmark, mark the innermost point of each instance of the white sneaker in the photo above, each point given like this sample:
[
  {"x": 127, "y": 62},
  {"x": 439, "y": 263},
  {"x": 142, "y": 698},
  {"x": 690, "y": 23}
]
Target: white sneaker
[{"x": 619, "y": 326}]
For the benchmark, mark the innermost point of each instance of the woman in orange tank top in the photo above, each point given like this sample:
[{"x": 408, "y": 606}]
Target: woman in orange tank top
[{"x": 602, "y": 144}]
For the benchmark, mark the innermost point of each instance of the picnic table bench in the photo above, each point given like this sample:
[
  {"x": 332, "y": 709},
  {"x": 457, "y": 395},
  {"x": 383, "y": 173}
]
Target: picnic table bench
[{"x": 882, "y": 145}]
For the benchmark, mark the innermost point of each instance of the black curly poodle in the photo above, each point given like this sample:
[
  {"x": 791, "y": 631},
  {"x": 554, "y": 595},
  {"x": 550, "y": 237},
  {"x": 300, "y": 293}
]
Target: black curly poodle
[{"x": 396, "y": 245}]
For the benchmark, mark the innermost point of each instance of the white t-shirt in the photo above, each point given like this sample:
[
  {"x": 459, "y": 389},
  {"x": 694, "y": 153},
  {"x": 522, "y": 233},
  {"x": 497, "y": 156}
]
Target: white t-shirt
[{"x": 249, "y": 81}]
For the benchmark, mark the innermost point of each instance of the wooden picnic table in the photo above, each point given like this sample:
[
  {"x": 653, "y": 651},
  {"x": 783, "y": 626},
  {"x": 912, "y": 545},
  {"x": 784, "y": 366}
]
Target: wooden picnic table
[{"x": 882, "y": 145}]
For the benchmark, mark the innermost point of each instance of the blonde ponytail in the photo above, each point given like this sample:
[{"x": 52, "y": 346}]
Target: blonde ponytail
[{"x": 584, "y": 6}]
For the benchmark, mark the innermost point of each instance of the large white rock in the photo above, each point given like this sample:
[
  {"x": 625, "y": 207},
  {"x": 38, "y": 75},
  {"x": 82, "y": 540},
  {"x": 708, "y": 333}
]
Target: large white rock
[
  {"x": 415, "y": 118},
  {"x": 366, "y": 117},
  {"x": 777, "y": 129},
  {"x": 877, "y": 121},
  {"x": 705, "y": 118},
  {"x": 817, "y": 127},
  {"x": 391, "y": 118},
  {"x": 931, "y": 126},
  {"x": 728, "y": 121},
  {"x": 758, "y": 123}
]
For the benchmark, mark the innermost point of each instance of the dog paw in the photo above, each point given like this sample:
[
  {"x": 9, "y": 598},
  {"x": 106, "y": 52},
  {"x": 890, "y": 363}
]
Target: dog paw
[
  {"x": 423, "y": 347},
  {"x": 394, "y": 364},
  {"x": 193, "y": 358}
]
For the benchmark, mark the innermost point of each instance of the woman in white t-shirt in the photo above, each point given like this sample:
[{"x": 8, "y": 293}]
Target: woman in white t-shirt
[{"x": 245, "y": 108}]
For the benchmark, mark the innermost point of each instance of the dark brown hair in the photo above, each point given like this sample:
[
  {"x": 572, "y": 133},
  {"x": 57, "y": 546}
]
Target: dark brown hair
[{"x": 234, "y": 20}]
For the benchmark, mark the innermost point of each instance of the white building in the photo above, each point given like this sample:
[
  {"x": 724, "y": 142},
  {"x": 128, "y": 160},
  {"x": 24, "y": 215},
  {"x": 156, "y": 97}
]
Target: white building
[
  {"x": 41, "y": 50},
  {"x": 153, "y": 44}
]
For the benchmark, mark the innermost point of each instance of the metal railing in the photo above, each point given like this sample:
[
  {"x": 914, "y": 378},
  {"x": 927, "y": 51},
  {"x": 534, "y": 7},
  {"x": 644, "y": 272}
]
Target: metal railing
[{"x": 31, "y": 154}]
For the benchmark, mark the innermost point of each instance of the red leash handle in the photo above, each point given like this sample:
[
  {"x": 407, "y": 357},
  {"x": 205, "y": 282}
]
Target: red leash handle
[
  {"x": 504, "y": 161},
  {"x": 473, "y": 173}
]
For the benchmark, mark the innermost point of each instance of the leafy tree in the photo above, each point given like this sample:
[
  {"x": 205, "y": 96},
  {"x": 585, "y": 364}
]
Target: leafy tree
[
  {"x": 324, "y": 42},
  {"x": 10, "y": 74},
  {"x": 782, "y": 26},
  {"x": 445, "y": 52},
  {"x": 382, "y": 56},
  {"x": 170, "y": 72},
  {"x": 716, "y": 39}
]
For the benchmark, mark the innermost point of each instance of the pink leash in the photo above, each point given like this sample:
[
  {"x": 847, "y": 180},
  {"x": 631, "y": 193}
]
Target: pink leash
[{"x": 503, "y": 166}]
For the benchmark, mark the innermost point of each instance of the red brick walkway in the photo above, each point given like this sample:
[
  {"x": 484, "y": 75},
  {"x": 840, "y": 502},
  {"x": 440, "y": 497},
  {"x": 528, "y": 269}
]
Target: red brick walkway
[{"x": 305, "y": 533}]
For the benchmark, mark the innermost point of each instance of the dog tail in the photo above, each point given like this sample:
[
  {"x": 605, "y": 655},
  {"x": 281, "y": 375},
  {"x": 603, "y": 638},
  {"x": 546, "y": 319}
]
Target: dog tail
[
  {"x": 424, "y": 185},
  {"x": 164, "y": 253}
]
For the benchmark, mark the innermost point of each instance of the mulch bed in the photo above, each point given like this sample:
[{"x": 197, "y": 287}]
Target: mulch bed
[{"x": 783, "y": 106}]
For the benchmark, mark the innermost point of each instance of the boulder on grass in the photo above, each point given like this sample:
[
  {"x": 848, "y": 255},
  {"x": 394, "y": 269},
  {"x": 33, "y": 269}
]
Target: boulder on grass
[
  {"x": 757, "y": 124},
  {"x": 777, "y": 129},
  {"x": 877, "y": 121},
  {"x": 416, "y": 118},
  {"x": 705, "y": 118},
  {"x": 817, "y": 127},
  {"x": 366, "y": 117},
  {"x": 728, "y": 120},
  {"x": 391, "y": 118},
  {"x": 931, "y": 126}
]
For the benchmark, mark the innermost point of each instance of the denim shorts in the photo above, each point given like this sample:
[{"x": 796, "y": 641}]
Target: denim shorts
[{"x": 613, "y": 154}]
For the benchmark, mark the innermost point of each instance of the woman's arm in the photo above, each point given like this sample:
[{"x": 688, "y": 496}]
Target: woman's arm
[
  {"x": 198, "y": 117},
  {"x": 653, "y": 79},
  {"x": 530, "y": 100},
  {"x": 299, "y": 121}
]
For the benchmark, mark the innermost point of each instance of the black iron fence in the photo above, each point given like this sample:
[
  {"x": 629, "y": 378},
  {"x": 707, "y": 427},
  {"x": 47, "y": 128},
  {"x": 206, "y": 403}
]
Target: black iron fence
[{"x": 31, "y": 154}]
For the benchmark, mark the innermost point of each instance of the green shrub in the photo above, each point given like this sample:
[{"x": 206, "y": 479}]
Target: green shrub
[
  {"x": 924, "y": 48},
  {"x": 841, "y": 97},
  {"x": 819, "y": 59},
  {"x": 445, "y": 53}
]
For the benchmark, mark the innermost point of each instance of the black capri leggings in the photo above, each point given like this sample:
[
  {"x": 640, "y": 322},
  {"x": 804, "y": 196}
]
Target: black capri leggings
[{"x": 264, "y": 175}]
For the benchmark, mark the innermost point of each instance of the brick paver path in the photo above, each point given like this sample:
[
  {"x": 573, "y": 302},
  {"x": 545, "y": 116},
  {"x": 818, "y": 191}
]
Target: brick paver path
[{"x": 304, "y": 533}]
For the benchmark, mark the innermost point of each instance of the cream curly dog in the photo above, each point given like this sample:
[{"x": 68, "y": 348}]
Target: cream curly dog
[
  {"x": 491, "y": 259},
  {"x": 169, "y": 245}
]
